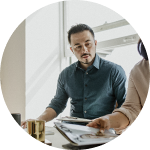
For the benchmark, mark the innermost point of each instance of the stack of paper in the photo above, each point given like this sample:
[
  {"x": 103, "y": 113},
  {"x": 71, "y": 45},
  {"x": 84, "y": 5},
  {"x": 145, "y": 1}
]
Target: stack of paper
[
  {"x": 74, "y": 119},
  {"x": 82, "y": 135}
]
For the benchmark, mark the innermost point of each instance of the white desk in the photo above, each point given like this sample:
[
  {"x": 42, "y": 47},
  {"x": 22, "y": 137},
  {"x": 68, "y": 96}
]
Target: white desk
[{"x": 58, "y": 140}]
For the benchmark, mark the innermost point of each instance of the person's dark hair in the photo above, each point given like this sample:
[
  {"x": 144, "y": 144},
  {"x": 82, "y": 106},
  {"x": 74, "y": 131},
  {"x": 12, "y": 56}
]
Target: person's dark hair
[
  {"x": 139, "y": 45},
  {"x": 79, "y": 28}
]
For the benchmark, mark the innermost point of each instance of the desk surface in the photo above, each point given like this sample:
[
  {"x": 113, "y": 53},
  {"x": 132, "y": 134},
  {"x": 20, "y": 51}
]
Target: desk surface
[{"x": 57, "y": 139}]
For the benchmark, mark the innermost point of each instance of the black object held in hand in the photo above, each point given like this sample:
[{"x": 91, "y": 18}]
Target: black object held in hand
[{"x": 17, "y": 117}]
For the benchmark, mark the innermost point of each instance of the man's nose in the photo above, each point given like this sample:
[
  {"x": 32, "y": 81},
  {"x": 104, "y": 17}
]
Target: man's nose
[{"x": 85, "y": 49}]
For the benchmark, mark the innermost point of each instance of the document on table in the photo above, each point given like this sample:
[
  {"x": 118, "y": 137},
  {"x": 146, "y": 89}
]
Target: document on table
[
  {"x": 74, "y": 119},
  {"x": 82, "y": 135}
]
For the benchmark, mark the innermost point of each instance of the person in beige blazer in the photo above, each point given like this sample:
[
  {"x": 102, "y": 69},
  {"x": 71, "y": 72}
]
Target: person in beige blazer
[{"x": 138, "y": 86}]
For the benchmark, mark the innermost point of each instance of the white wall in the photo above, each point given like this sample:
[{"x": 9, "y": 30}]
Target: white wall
[
  {"x": 13, "y": 72},
  {"x": 42, "y": 59}
]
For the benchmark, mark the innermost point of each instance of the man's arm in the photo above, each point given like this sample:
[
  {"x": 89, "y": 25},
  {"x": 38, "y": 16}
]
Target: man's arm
[
  {"x": 47, "y": 115},
  {"x": 59, "y": 102},
  {"x": 57, "y": 105},
  {"x": 119, "y": 84}
]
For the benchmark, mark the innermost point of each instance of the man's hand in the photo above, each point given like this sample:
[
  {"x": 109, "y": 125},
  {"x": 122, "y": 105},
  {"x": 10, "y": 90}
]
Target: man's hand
[
  {"x": 24, "y": 123},
  {"x": 46, "y": 116},
  {"x": 103, "y": 123}
]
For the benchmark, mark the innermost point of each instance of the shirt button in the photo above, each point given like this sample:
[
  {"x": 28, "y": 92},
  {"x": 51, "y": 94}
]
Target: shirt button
[
  {"x": 86, "y": 72},
  {"x": 85, "y": 84},
  {"x": 85, "y": 111},
  {"x": 85, "y": 98}
]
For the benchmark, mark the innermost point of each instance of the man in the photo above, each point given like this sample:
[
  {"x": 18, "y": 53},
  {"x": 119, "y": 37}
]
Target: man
[{"x": 93, "y": 84}]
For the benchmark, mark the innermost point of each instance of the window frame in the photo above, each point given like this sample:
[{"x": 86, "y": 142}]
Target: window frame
[{"x": 106, "y": 46}]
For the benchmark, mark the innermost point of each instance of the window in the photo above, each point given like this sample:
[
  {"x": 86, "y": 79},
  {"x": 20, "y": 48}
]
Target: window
[
  {"x": 109, "y": 19},
  {"x": 126, "y": 57},
  {"x": 95, "y": 13}
]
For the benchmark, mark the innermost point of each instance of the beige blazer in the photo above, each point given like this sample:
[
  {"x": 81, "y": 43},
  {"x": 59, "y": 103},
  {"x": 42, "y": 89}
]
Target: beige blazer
[{"x": 138, "y": 86}]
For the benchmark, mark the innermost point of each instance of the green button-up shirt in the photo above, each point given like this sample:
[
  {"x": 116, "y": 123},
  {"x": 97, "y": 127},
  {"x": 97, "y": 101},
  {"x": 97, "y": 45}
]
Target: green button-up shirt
[{"x": 93, "y": 92}]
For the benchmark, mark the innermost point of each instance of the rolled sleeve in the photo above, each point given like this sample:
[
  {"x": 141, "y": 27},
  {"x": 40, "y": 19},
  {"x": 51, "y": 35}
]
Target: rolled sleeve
[
  {"x": 119, "y": 84},
  {"x": 58, "y": 103},
  {"x": 132, "y": 106}
]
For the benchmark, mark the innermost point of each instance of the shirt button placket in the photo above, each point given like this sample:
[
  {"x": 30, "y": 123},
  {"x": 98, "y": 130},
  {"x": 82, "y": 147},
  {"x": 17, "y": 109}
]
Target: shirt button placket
[{"x": 86, "y": 73}]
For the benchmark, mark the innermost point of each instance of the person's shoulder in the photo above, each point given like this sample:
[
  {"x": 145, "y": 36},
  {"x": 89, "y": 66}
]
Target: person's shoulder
[
  {"x": 112, "y": 65},
  {"x": 141, "y": 66},
  {"x": 114, "y": 68},
  {"x": 67, "y": 72},
  {"x": 69, "y": 69}
]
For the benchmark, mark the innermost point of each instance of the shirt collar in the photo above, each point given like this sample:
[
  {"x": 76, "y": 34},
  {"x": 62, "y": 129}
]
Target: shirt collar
[{"x": 96, "y": 62}]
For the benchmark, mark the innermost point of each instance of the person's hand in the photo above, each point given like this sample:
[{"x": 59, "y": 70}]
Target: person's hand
[
  {"x": 24, "y": 123},
  {"x": 103, "y": 123}
]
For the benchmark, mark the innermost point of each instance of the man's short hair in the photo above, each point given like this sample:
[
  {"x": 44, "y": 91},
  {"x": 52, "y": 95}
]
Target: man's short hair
[{"x": 79, "y": 28}]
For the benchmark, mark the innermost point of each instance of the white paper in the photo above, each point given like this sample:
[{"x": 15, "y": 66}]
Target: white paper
[
  {"x": 83, "y": 135},
  {"x": 74, "y": 119}
]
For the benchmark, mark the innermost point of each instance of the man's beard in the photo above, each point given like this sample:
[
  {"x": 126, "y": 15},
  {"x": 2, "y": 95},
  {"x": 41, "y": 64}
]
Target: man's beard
[{"x": 87, "y": 60}]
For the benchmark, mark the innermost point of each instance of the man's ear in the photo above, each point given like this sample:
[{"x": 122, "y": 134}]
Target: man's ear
[
  {"x": 95, "y": 42},
  {"x": 71, "y": 50}
]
